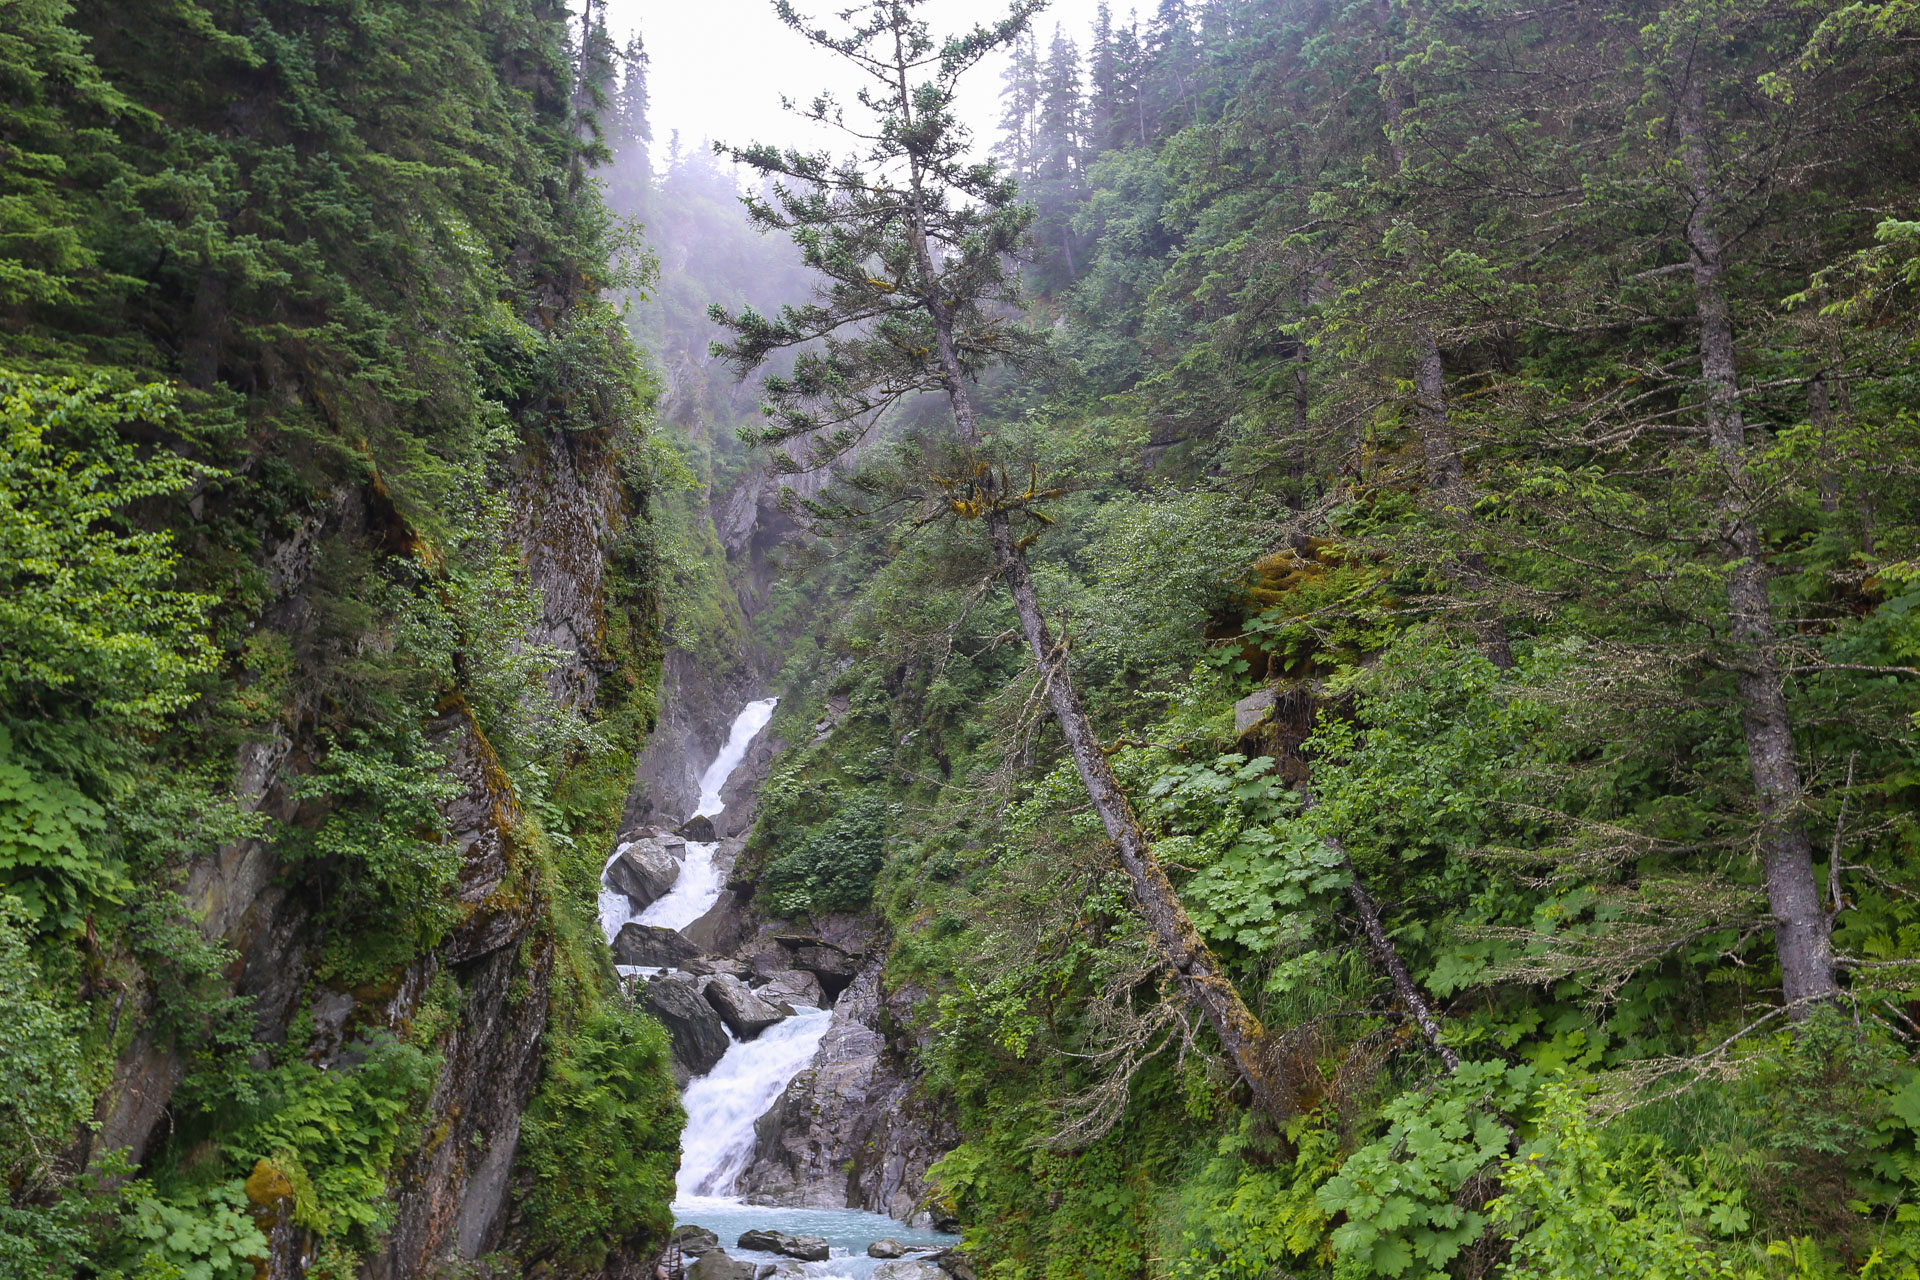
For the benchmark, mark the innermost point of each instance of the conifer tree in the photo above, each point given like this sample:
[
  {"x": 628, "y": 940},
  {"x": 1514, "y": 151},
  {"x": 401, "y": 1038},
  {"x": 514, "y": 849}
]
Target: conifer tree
[
  {"x": 1020, "y": 112},
  {"x": 1174, "y": 55},
  {"x": 1129, "y": 85},
  {"x": 630, "y": 134},
  {"x": 1102, "y": 84},
  {"x": 910, "y": 237},
  {"x": 1059, "y": 145}
]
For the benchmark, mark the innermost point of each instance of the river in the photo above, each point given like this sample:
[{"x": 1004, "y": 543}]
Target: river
[{"x": 723, "y": 1104}]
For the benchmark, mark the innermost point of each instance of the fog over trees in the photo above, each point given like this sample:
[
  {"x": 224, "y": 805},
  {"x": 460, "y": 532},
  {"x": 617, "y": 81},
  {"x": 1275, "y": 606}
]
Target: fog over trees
[{"x": 1342, "y": 588}]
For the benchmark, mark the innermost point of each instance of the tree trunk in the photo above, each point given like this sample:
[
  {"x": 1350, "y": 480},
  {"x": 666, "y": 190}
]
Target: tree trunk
[
  {"x": 1206, "y": 986},
  {"x": 1802, "y": 930},
  {"x": 1201, "y": 976},
  {"x": 1440, "y": 456},
  {"x": 1447, "y": 485},
  {"x": 1820, "y": 413},
  {"x": 1389, "y": 957}
]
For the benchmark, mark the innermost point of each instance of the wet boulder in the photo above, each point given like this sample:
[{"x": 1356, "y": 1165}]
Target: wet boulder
[
  {"x": 723, "y": 927},
  {"x": 698, "y": 829},
  {"x": 886, "y": 1248},
  {"x": 710, "y": 964},
  {"x": 762, "y": 1241},
  {"x": 652, "y": 946},
  {"x": 908, "y": 1269},
  {"x": 807, "y": 1248},
  {"x": 742, "y": 1010},
  {"x": 699, "y": 1037},
  {"x": 792, "y": 987},
  {"x": 716, "y": 1265},
  {"x": 645, "y": 869},
  {"x": 694, "y": 1241},
  {"x": 951, "y": 1261}
]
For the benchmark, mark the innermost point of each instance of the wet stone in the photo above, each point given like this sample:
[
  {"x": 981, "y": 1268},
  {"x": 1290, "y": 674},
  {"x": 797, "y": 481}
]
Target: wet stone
[
  {"x": 762, "y": 1241},
  {"x": 644, "y": 870},
  {"x": 794, "y": 987},
  {"x": 692, "y": 1240},
  {"x": 908, "y": 1269},
  {"x": 652, "y": 946},
  {"x": 699, "y": 1037},
  {"x": 698, "y": 829},
  {"x": 742, "y": 1010},
  {"x": 716, "y": 1265},
  {"x": 807, "y": 1248}
]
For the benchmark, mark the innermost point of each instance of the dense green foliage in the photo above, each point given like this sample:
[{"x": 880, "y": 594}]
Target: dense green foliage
[
  {"x": 1386, "y": 386},
  {"x": 291, "y": 298},
  {"x": 603, "y": 1141}
]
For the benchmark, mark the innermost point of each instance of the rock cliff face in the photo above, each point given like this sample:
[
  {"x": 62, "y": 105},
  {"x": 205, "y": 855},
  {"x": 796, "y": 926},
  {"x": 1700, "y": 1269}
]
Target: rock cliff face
[
  {"x": 450, "y": 1193},
  {"x": 851, "y": 1130},
  {"x": 698, "y": 700}
]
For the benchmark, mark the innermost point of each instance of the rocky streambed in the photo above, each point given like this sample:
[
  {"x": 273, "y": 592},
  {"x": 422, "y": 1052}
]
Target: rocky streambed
[
  {"x": 800, "y": 1117},
  {"x": 836, "y": 1244}
]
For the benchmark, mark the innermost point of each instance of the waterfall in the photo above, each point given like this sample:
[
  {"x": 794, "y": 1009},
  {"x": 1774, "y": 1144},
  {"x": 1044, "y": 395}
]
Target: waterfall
[
  {"x": 723, "y": 1104},
  {"x": 698, "y": 887},
  {"x": 746, "y": 726}
]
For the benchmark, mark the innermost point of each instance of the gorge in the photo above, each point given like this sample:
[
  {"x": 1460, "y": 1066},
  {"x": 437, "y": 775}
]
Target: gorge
[
  {"x": 1260, "y": 639},
  {"x": 732, "y": 1106}
]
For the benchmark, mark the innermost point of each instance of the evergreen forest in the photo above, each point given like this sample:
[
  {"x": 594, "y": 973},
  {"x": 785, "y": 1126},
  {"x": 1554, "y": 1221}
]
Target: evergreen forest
[{"x": 1344, "y": 593}]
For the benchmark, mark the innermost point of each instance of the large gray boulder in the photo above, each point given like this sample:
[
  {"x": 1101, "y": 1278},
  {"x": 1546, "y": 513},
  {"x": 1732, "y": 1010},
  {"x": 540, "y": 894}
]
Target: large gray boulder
[
  {"x": 716, "y": 1265},
  {"x": 792, "y": 987},
  {"x": 699, "y": 1037},
  {"x": 850, "y": 1131},
  {"x": 807, "y": 1248},
  {"x": 1253, "y": 709},
  {"x": 694, "y": 1241},
  {"x": 645, "y": 869},
  {"x": 722, "y": 928},
  {"x": 886, "y": 1247},
  {"x": 698, "y": 828},
  {"x": 652, "y": 946},
  {"x": 955, "y": 1263},
  {"x": 707, "y": 964},
  {"x": 908, "y": 1269},
  {"x": 762, "y": 1241},
  {"x": 740, "y": 1008}
]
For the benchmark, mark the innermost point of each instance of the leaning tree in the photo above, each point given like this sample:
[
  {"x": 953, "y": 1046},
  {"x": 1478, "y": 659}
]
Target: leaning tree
[{"x": 911, "y": 238}]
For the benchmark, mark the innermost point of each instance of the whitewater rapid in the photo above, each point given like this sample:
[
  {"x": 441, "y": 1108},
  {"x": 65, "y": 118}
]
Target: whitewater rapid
[
  {"x": 723, "y": 1105},
  {"x": 698, "y": 887}
]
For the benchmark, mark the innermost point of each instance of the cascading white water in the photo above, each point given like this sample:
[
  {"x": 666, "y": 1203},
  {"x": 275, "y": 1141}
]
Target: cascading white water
[
  {"x": 698, "y": 887},
  {"x": 746, "y": 727},
  {"x": 723, "y": 1104}
]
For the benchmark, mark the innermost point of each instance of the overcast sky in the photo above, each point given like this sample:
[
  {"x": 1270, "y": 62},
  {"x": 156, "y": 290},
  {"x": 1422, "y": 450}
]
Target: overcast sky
[{"x": 720, "y": 66}]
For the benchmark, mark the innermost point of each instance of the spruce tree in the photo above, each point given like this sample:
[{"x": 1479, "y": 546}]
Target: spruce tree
[
  {"x": 1102, "y": 82},
  {"x": 911, "y": 237},
  {"x": 1020, "y": 109},
  {"x": 1056, "y": 186}
]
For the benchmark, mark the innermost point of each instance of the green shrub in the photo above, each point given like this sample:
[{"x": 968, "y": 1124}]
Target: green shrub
[
  {"x": 205, "y": 1234},
  {"x": 834, "y": 867},
  {"x": 89, "y": 618},
  {"x": 42, "y": 1094},
  {"x": 333, "y": 1134},
  {"x": 602, "y": 1140}
]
